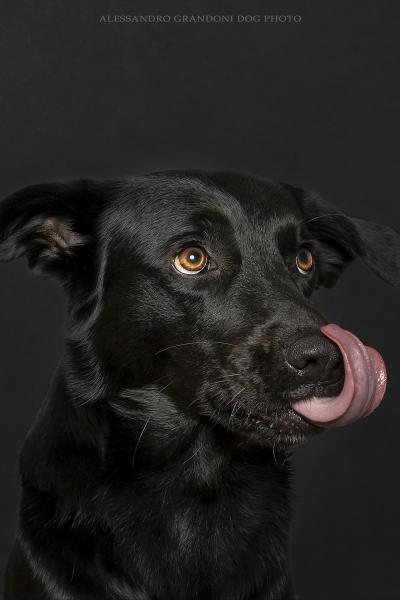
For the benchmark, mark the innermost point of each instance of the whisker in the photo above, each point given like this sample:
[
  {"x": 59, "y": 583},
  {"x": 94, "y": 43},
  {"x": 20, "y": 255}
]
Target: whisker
[
  {"x": 321, "y": 217},
  {"x": 165, "y": 386},
  {"x": 237, "y": 394},
  {"x": 191, "y": 344},
  {"x": 226, "y": 377},
  {"x": 138, "y": 441},
  {"x": 236, "y": 404},
  {"x": 129, "y": 393},
  {"x": 193, "y": 455},
  {"x": 273, "y": 453},
  {"x": 232, "y": 412},
  {"x": 157, "y": 389},
  {"x": 191, "y": 403}
]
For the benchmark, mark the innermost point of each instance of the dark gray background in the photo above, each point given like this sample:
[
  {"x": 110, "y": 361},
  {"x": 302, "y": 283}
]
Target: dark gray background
[{"x": 316, "y": 104}]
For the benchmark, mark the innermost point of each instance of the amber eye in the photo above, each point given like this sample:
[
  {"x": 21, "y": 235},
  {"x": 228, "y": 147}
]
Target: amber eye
[
  {"x": 304, "y": 261},
  {"x": 191, "y": 260}
]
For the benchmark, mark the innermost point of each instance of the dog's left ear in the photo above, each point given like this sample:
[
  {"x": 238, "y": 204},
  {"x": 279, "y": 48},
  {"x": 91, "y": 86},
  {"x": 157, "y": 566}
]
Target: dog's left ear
[
  {"x": 52, "y": 225},
  {"x": 344, "y": 238}
]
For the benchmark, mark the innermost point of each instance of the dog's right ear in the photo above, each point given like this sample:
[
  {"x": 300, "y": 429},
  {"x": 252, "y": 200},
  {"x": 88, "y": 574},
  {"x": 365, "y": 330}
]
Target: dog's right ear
[
  {"x": 343, "y": 238},
  {"x": 53, "y": 225}
]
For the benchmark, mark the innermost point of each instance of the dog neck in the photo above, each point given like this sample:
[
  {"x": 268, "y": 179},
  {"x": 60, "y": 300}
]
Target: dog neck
[{"x": 190, "y": 484}]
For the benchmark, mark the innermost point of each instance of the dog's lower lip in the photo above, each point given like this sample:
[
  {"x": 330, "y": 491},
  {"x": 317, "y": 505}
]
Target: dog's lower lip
[
  {"x": 242, "y": 414},
  {"x": 287, "y": 430},
  {"x": 331, "y": 389},
  {"x": 257, "y": 418}
]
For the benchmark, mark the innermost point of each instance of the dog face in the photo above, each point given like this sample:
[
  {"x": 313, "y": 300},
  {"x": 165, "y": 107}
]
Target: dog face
[{"x": 190, "y": 294}]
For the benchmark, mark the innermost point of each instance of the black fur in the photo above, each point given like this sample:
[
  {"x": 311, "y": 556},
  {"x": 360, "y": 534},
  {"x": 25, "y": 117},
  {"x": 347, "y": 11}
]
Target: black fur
[{"x": 158, "y": 468}]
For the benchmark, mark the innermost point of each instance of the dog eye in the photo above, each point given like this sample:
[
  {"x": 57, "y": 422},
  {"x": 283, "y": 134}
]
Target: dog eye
[
  {"x": 191, "y": 261},
  {"x": 304, "y": 261}
]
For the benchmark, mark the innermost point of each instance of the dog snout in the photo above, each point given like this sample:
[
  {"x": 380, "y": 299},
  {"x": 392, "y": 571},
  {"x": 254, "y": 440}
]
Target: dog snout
[{"x": 315, "y": 359}]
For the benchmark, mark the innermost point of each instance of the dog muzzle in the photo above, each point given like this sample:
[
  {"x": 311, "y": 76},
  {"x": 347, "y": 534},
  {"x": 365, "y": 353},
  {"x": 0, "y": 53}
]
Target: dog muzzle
[{"x": 363, "y": 389}]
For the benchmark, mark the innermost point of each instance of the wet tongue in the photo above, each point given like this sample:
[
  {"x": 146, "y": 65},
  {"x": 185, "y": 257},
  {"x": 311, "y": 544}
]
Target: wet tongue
[{"x": 363, "y": 389}]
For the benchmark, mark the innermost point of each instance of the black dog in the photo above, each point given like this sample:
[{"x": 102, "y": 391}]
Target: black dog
[{"x": 156, "y": 468}]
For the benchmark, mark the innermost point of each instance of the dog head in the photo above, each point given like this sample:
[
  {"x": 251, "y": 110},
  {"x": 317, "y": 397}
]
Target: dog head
[{"x": 190, "y": 294}]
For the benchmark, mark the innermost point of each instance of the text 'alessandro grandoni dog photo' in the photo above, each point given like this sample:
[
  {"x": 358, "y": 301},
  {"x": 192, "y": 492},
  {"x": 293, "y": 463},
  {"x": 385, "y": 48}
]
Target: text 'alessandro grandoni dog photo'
[{"x": 159, "y": 466}]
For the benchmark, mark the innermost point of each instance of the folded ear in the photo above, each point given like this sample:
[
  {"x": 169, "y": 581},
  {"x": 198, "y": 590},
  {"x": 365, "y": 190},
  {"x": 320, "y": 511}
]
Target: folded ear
[
  {"x": 343, "y": 238},
  {"x": 51, "y": 224},
  {"x": 380, "y": 249}
]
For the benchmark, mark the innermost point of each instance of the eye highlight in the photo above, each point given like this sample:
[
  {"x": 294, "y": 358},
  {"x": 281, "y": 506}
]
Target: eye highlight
[
  {"x": 191, "y": 261},
  {"x": 304, "y": 261}
]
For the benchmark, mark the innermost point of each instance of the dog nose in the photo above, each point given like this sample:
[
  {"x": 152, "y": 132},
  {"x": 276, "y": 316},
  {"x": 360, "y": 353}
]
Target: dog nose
[{"x": 316, "y": 359}]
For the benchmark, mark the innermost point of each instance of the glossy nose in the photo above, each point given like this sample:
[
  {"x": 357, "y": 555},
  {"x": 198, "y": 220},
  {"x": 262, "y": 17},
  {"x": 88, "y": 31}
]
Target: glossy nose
[{"x": 315, "y": 359}]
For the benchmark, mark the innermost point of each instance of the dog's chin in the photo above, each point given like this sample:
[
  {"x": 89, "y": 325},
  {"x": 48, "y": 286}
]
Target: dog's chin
[
  {"x": 280, "y": 425},
  {"x": 281, "y": 428}
]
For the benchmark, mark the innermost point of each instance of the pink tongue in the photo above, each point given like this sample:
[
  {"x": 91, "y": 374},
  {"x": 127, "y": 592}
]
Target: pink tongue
[{"x": 363, "y": 389}]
